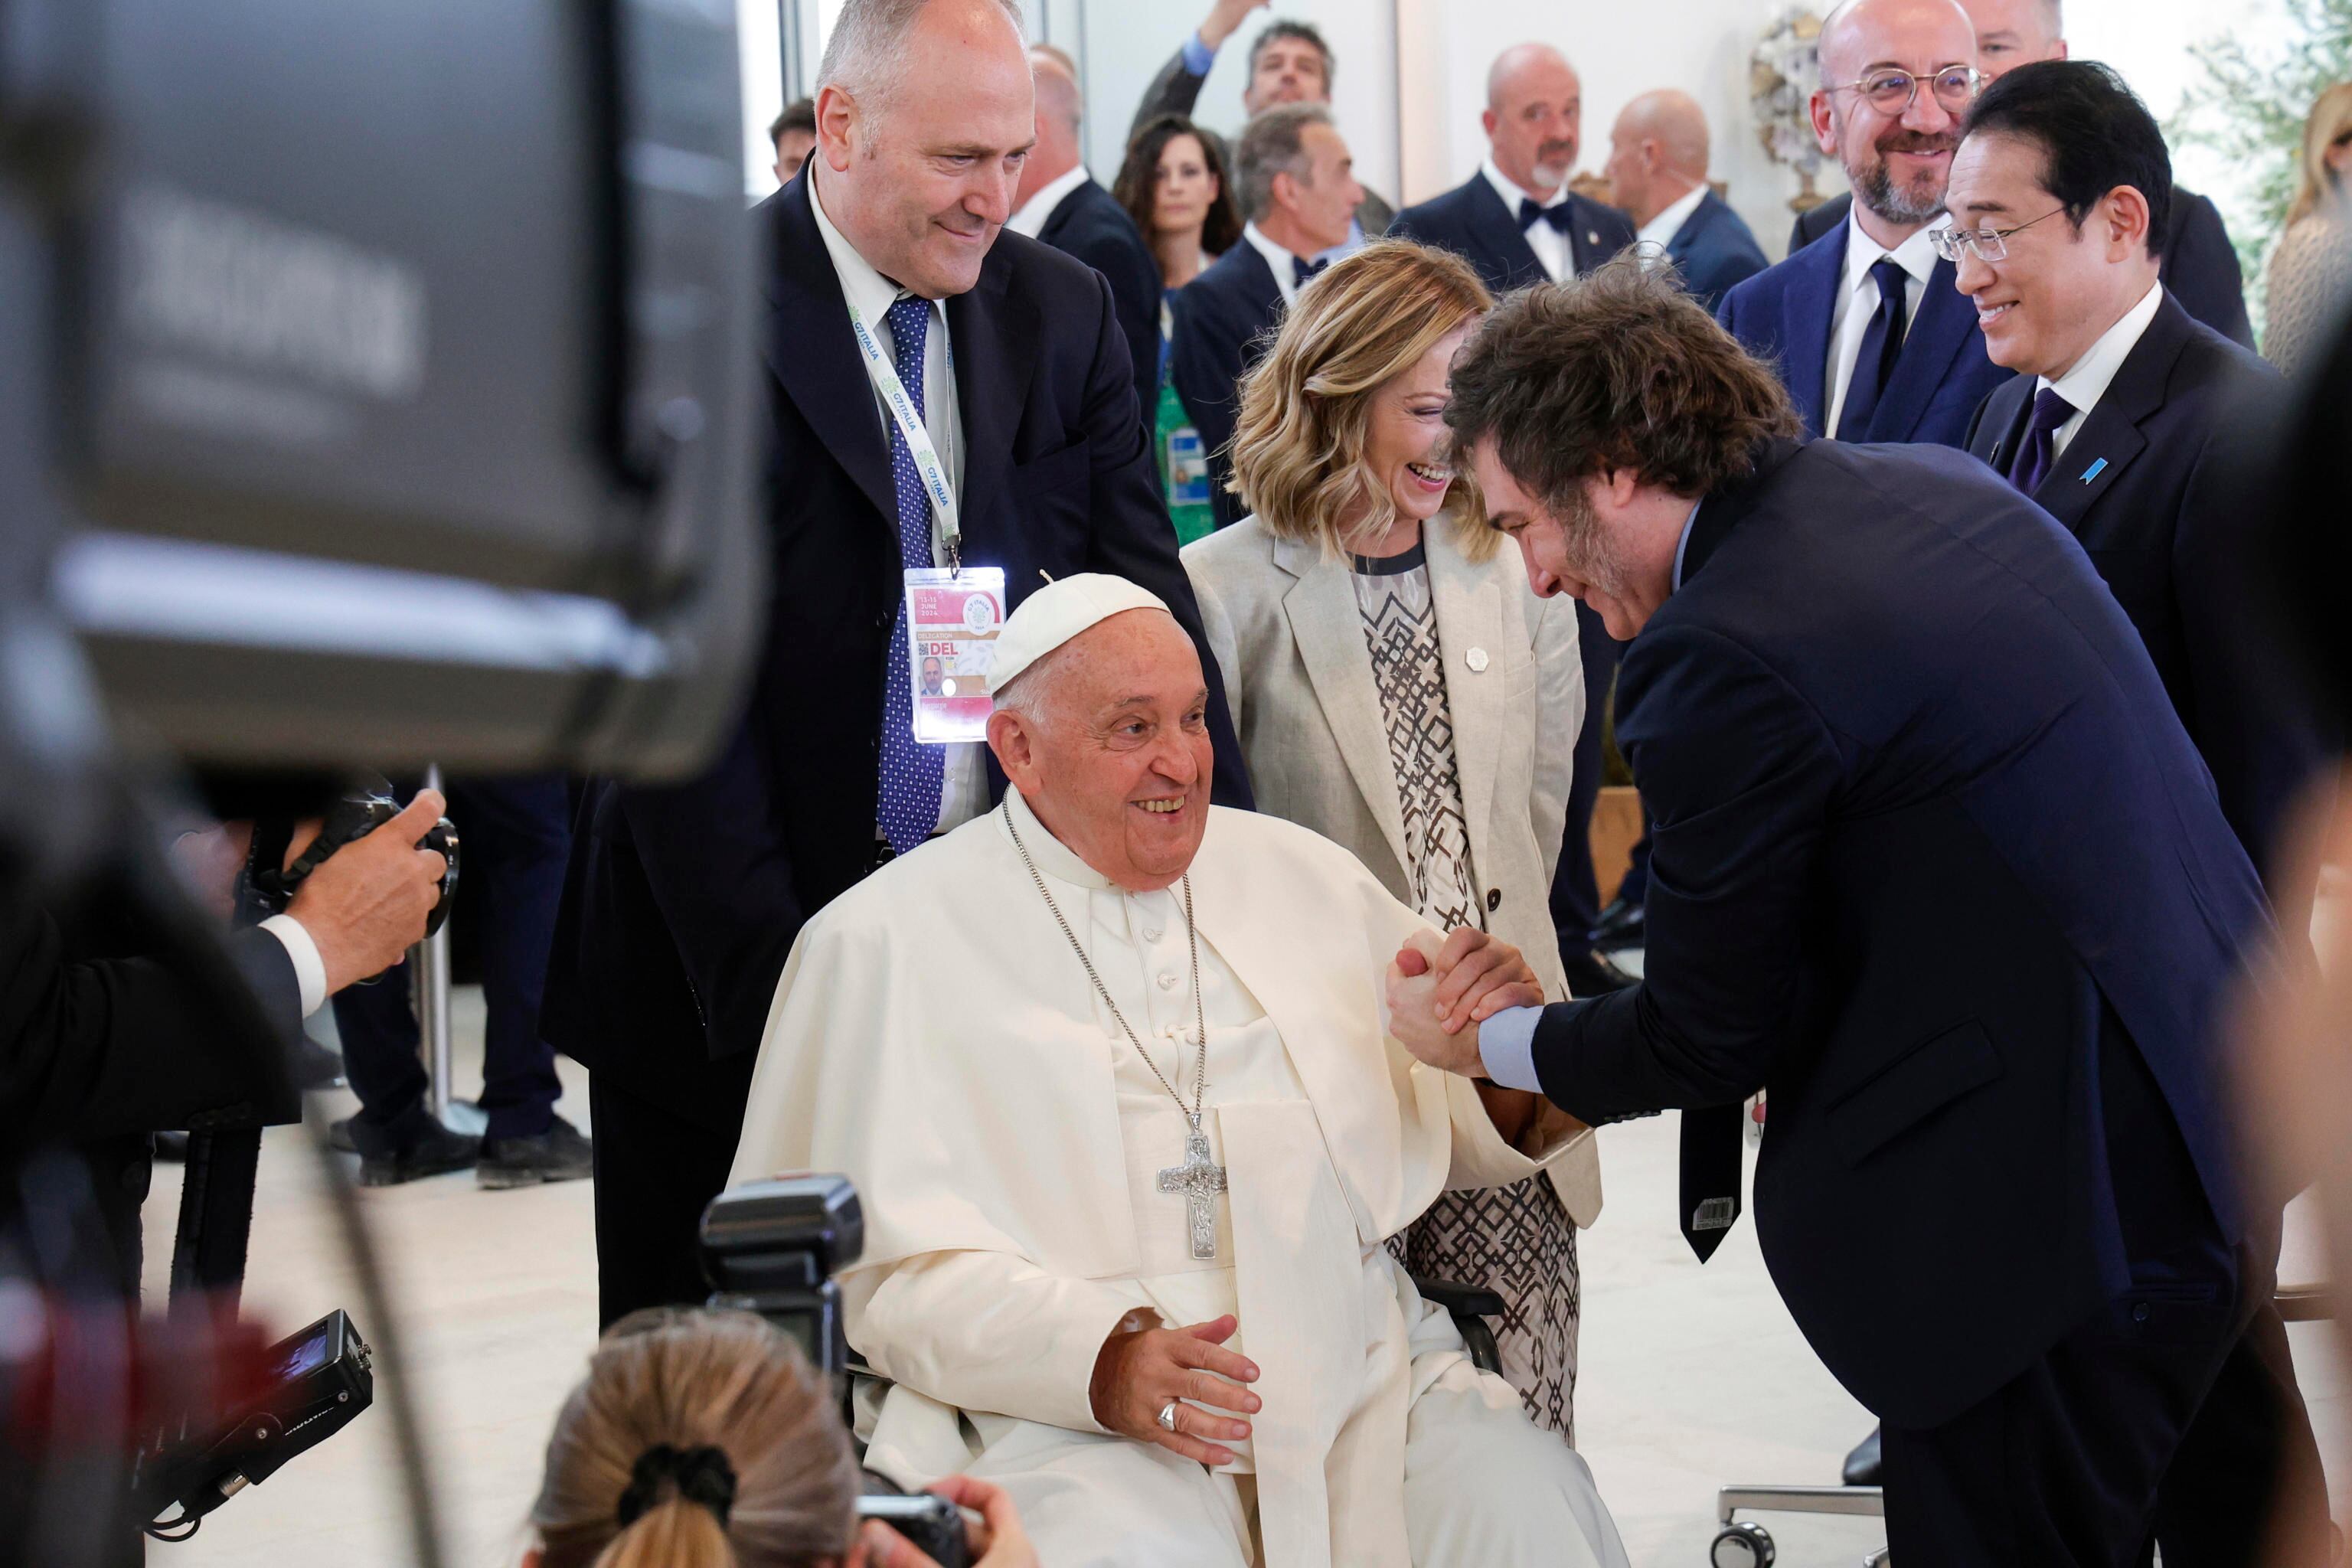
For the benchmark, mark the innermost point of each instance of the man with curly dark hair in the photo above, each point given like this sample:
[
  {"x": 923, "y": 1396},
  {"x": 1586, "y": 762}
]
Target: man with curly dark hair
[{"x": 1936, "y": 860}]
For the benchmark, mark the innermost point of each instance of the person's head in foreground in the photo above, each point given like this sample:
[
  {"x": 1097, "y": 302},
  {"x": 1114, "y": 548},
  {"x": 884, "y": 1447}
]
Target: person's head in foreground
[
  {"x": 1341, "y": 436},
  {"x": 1101, "y": 724},
  {"x": 1897, "y": 77},
  {"x": 1594, "y": 415},
  {"x": 704, "y": 1439},
  {"x": 696, "y": 1438},
  {"x": 2061, "y": 195},
  {"x": 925, "y": 115},
  {"x": 2326, "y": 153}
]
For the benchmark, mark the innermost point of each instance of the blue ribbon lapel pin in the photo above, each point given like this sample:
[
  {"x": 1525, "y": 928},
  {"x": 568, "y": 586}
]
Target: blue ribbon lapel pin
[{"x": 2094, "y": 470}]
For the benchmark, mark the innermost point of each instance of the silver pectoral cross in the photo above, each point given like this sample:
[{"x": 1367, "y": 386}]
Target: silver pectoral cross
[{"x": 1199, "y": 1179}]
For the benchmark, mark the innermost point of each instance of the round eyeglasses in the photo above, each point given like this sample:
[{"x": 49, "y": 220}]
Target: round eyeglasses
[
  {"x": 1890, "y": 90},
  {"x": 1984, "y": 244}
]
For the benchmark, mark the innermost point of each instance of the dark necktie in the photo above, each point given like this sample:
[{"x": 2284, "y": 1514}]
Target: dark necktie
[
  {"x": 1710, "y": 1176},
  {"x": 1303, "y": 271},
  {"x": 1874, "y": 368},
  {"x": 909, "y": 801},
  {"x": 2038, "y": 450},
  {"x": 1556, "y": 214}
]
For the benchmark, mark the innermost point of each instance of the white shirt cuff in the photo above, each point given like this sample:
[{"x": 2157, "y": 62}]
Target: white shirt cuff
[
  {"x": 310, "y": 969},
  {"x": 1506, "y": 1045}
]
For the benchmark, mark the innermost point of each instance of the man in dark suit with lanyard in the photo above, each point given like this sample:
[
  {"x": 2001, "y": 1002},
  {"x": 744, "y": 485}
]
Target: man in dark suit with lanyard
[
  {"x": 1935, "y": 861},
  {"x": 1515, "y": 221},
  {"x": 2119, "y": 424},
  {"x": 944, "y": 396},
  {"x": 2198, "y": 263}
]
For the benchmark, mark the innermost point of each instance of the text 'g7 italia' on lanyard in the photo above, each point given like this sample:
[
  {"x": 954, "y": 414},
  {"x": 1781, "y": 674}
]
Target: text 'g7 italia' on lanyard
[{"x": 910, "y": 427}]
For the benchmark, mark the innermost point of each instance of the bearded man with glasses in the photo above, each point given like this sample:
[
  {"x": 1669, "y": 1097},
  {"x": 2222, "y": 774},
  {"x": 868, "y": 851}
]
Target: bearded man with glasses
[{"x": 1863, "y": 325}]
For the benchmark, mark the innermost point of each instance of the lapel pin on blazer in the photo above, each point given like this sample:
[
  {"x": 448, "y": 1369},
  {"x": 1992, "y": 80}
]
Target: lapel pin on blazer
[
  {"x": 2093, "y": 471},
  {"x": 1591, "y": 237}
]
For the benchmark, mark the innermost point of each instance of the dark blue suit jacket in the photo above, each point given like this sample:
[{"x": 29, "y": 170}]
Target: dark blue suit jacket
[
  {"x": 1782, "y": 315},
  {"x": 681, "y": 903},
  {"x": 1089, "y": 224},
  {"x": 1713, "y": 249},
  {"x": 1223, "y": 320},
  {"x": 2163, "y": 520},
  {"x": 1927, "y": 840},
  {"x": 2200, "y": 265},
  {"x": 1471, "y": 221}
]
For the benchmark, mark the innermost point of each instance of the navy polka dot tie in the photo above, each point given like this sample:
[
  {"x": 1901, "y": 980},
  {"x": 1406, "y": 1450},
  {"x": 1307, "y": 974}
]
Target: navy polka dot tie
[{"x": 909, "y": 806}]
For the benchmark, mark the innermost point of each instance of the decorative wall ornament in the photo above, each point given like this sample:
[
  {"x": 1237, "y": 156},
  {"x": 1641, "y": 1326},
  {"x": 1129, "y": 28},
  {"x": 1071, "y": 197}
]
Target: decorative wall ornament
[{"x": 1782, "y": 75}]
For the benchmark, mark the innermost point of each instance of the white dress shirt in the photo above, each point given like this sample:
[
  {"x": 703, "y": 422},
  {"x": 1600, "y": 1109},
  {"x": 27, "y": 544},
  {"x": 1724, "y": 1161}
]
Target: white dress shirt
[
  {"x": 1277, "y": 259},
  {"x": 1552, "y": 248},
  {"x": 1039, "y": 207},
  {"x": 1663, "y": 229},
  {"x": 2088, "y": 379},
  {"x": 1857, "y": 301},
  {"x": 310, "y": 969},
  {"x": 963, "y": 785}
]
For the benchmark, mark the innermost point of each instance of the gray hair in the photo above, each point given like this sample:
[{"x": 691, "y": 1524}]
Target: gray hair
[
  {"x": 867, "y": 54},
  {"x": 1273, "y": 143}
]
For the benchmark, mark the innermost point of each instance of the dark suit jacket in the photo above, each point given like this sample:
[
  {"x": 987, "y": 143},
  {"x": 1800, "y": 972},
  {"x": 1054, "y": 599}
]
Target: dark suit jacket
[
  {"x": 1713, "y": 249},
  {"x": 1782, "y": 315},
  {"x": 105, "y": 1040},
  {"x": 1927, "y": 839},
  {"x": 2200, "y": 264},
  {"x": 1175, "y": 90},
  {"x": 1471, "y": 221},
  {"x": 2167, "y": 527},
  {"x": 1224, "y": 320},
  {"x": 1090, "y": 225},
  {"x": 681, "y": 903}
]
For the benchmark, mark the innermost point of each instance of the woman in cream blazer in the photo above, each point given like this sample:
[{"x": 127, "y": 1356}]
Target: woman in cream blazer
[{"x": 1398, "y": 688}]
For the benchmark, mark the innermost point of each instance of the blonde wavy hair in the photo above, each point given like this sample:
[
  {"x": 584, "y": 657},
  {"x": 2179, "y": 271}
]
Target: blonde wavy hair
[
  {"x": 670, "y": 1384},
  {"x": 1307, "y": 408},
  {"x": 2331, "y": 115}
]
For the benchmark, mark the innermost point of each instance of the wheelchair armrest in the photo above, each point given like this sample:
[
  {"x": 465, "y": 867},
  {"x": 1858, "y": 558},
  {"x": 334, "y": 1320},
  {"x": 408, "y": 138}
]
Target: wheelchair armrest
[{"x": 1461, "y": 1301}]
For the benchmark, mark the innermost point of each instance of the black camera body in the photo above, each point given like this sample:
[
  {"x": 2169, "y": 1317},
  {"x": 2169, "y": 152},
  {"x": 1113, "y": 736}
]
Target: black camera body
[
  {"x": 772, "y": 1247},
  {"x": 320, "y": 1379},
  {"x": 351, "y": 817}
]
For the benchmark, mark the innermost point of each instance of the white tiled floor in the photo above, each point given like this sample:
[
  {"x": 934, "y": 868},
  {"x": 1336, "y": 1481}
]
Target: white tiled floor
[{"x": 1691, "y": 1377}]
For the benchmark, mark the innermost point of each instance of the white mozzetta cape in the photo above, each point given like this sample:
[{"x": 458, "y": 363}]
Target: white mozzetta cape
[{"x": 934, "y": 1039}]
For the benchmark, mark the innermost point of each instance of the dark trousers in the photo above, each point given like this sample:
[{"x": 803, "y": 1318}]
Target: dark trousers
[
  {"x": 513, "y": 835},
  {"x": 655, "y": 1171},
  {"x": 1575, "y": 892},
  {"x": 2246, "y": 1486}
]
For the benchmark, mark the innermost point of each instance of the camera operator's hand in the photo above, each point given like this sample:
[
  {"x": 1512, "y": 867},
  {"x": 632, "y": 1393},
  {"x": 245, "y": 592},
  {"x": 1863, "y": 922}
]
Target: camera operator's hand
[
  {"x": 997, "y": 1541},
  {"x": 366, "y": 904},
  {"x": 1139, "y": 1372}
]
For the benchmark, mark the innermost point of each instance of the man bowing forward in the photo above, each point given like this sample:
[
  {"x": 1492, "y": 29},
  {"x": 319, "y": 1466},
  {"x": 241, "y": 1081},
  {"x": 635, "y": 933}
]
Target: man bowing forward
[{"x": 944, "y": 397}]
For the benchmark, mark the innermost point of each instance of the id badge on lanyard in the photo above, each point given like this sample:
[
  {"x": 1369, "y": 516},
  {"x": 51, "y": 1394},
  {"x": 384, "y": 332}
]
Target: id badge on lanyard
[{"x": 953, "y": 613}]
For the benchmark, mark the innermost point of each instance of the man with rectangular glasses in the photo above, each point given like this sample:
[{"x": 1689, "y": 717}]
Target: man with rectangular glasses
[
  {"x": 2200, "y": 264},
  {"x": 1868, "y": 335},
  {"x": 2119, "y": 423}
]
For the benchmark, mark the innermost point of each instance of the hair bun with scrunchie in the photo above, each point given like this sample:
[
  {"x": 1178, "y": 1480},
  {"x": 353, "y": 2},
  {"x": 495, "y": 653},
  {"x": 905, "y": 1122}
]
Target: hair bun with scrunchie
[{"x": 698, "y": 1475}]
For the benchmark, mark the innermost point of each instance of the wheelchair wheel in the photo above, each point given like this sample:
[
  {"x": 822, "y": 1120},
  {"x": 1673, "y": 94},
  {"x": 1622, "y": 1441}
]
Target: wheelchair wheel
[{"x": 1742, "y": 1545}]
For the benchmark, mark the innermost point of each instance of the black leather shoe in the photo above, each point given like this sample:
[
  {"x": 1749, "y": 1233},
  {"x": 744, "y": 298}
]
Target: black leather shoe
[
  {"x": 434, "y": 1152},
  {"x": 1589, "y": 974},
  {"x": 1863, "y": 1467},
  {"x": 1621, "y": 927},
  {"x": 561, "y": 1153}
]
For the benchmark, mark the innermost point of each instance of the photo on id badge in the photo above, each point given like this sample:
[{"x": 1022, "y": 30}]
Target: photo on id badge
[{"x": 952, "y": 621}]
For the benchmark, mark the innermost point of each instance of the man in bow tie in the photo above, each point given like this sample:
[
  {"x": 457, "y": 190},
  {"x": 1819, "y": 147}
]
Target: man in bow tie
[
  {"x": 1515, "y": 221},
  {"x": 1295, "y": 185}
]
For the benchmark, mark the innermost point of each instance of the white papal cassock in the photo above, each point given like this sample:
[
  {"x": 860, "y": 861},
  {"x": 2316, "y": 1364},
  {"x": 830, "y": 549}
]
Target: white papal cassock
[{"x": 935, "y": 1038}]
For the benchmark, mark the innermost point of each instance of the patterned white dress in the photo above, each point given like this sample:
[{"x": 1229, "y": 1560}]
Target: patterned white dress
[{"x": 1518, "y": 1240}]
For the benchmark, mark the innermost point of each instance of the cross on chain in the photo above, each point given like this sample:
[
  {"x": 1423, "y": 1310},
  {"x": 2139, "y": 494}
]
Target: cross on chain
[{"x": 1199, "y": 1179}]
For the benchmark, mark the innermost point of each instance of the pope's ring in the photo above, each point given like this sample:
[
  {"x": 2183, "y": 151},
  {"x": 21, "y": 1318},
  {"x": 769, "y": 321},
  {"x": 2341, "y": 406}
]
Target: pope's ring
[{"x": 1168, "y": 1415}]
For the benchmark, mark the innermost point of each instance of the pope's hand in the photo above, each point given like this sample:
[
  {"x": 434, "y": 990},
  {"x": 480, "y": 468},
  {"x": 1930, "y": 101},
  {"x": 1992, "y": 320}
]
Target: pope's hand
[
  {"x": 1139, "y": 1373},
  {"x": 1440, "y": 991}
]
